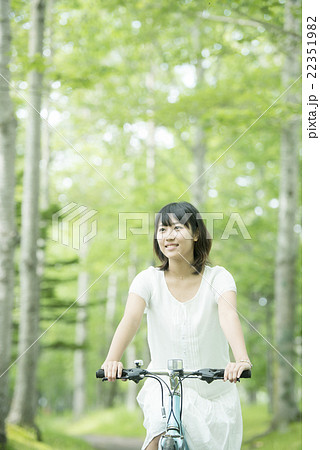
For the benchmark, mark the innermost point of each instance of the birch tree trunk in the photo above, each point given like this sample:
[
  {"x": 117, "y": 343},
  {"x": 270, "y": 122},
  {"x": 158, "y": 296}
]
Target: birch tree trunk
[
  {"x": 132, "y": 391},
  {"x": 44, "y": 198},
  {"x": 151, "y": 139},
  {"x": 79, "y": 393},
  {"x": 199, "y": 153},
  {"x": 46, "y": 129},
  {"x": 7, "y": 212},
  {"x": 285, "y": 300},
  {"x": 131, "y": 351},
  {"x": 199, "y": 146},
  {"x": 150, "y": 164},
  {"x": 23, "y": 407},
  {"x": 110, "y": 327}
]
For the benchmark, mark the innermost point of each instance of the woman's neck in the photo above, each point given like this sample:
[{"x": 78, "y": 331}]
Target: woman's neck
[{"x": 180, "y": 270}]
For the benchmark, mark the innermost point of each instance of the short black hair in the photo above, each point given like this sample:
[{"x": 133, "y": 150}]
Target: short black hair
[{"x": 188, "y": 215}]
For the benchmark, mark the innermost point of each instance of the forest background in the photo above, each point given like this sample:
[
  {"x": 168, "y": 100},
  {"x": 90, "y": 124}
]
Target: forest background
[{"x": 109, "y": 110}]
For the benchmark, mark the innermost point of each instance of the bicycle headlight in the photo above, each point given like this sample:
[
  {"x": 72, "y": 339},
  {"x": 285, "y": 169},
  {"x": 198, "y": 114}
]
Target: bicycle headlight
[{"x": 175, "y": 364}]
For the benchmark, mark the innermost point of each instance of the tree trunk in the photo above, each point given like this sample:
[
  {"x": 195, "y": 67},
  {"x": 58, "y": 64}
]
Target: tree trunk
[
  {"x": 150, "y": 165},
  {"x": 46, "y": 129},
  {"x": 7, "y": 212},
  {"x": 110, "y": 393},
  {"x": 23, "y": 407},
  {"x": 79, "y": 393},
  {"x": 151, "y": 139},
  {"x": 285, "y": 403},
  {"x": 132, "y": 387},
  {"x": 199, "y": 146},
  {"x": 199, "y": 153},
  {"x": 270, "y": 358},
  {"x": 131, "y": 351},
  {"x": 45, "y": 161}
]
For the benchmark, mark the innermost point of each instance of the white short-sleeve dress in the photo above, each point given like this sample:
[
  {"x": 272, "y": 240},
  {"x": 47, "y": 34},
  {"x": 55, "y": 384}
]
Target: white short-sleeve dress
[{"x": 190, "y": 331}]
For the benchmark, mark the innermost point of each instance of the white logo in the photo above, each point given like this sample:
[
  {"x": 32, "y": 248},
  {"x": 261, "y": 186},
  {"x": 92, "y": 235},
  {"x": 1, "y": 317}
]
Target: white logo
[
  {"x": 145, "y": 220},
  {"x": 71, "y": 223}
]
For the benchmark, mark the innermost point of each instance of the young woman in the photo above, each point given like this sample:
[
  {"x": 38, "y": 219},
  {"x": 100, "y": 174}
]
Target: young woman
[{"x": 191, "y": 315}]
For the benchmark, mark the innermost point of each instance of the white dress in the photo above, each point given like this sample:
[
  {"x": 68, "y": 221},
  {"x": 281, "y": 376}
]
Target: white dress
[{"x": 190, "y": 331}]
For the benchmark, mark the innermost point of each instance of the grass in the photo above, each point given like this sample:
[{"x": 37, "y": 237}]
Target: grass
[
  {"x": 25, "y": 439},
  {"x": 256, "y": 421},
  {"x": 289, "y": 440},
  {"x": 109, "y": 422},
  {"x": 59, "y": 431}
]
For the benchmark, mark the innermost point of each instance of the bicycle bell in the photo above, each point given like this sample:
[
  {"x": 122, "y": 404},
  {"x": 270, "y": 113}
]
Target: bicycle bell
[{"x": 138, "y": 363}]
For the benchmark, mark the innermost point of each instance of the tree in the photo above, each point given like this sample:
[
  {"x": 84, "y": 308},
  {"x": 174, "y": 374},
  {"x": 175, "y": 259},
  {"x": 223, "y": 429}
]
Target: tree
[
  {"x": 285, "y": 272},
  {"x": 110, "y": 327},
  {"x": 7, "y": 211},
  {"x": 23, "y": 407},
  {"x": 199, "y": 147},
  {"x": 79, "y": 393},
  {"x": 131, "y": 349}
]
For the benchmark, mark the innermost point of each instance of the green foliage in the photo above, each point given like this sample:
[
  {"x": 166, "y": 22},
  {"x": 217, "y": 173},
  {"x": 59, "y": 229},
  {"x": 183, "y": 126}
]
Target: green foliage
[{"x": 123, "y": 78}]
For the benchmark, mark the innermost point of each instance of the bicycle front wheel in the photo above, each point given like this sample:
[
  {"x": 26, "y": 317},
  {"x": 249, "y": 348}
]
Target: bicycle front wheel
[{"x": 171, "y": 443}]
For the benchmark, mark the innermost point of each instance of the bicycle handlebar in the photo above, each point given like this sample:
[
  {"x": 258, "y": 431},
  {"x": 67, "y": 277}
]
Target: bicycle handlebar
[{"x": 138, "y": 374}]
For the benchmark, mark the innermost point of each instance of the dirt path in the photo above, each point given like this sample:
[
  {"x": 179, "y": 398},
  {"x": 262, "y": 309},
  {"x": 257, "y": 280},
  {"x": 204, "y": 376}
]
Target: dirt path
[{"x": 113, "y": 443}]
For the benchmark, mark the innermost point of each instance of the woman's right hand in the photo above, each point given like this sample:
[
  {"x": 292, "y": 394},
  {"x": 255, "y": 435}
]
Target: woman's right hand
[{"x": 112, "y": 369}]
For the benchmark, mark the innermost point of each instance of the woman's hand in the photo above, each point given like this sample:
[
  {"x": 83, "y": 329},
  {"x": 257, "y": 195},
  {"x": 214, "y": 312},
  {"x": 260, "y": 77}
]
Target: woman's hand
[
  {"x": 234, "y": 369},
  {"x": 112, "y": 369}
]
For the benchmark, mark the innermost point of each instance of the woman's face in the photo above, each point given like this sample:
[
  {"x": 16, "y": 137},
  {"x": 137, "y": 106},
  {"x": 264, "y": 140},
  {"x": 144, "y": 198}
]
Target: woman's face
[{"x": 176, "y": 240}]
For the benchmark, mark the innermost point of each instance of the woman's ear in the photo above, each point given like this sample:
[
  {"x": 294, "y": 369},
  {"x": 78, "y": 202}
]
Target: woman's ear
[{"x": 196, "y": 236}]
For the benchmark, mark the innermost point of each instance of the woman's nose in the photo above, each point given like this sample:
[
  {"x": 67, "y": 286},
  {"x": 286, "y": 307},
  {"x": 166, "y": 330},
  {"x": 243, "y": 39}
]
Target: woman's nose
[{"x": 171, "y": 234}]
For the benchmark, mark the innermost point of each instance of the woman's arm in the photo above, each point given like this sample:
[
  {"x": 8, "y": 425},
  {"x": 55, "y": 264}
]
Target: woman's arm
[
  {"x": 124, "y": 334},
  {"x": 230, "y": 324}
]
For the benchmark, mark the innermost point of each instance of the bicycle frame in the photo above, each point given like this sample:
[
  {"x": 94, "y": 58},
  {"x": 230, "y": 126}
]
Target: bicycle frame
[{"x": 174, "y": 438}]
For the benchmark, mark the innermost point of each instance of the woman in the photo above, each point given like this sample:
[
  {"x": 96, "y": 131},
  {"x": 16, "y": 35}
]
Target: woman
[{"x": 191, "y": 315}]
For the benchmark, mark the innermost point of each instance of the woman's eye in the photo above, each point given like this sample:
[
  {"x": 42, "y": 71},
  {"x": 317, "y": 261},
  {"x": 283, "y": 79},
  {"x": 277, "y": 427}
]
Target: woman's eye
[{"x": 177, "y": 227}]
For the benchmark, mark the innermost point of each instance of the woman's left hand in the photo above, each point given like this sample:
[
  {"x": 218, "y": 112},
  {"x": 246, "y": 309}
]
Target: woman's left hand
[{"x": 234, "y": 369}]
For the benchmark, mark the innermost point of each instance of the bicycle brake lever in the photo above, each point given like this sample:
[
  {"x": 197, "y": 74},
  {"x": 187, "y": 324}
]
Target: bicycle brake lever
[
  {"x": 134, "y": 374},
  {"x": 210, "y": 375},
  {"x": 205, "y": 375}
]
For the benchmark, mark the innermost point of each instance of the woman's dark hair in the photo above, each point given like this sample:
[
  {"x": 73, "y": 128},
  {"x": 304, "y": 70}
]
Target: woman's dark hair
[{"x": 189, "y": 216}]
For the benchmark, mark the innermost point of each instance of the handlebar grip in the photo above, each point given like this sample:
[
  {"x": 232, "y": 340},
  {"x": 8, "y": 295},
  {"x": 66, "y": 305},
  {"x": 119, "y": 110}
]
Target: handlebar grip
[
  {"x": 246, "y": 374},
  {"x": 100, "y": 373}
]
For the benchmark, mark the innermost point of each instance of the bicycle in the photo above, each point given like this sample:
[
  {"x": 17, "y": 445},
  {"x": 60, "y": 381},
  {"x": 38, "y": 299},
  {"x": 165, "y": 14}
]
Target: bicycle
[{"x": 173, "y": 439}]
